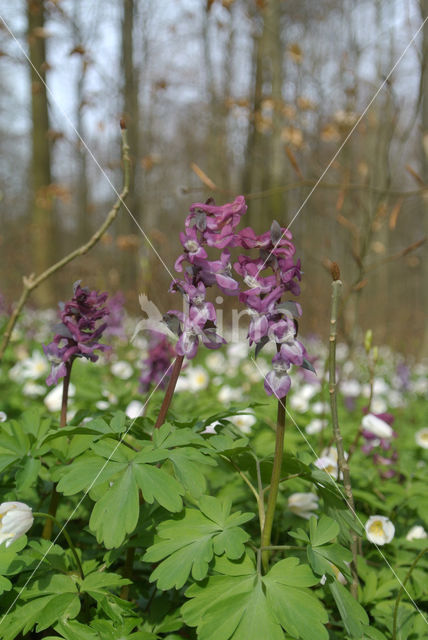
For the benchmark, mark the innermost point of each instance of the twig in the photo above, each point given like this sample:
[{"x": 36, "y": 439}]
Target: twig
[
  {"x": 32, "y": 282},
  {"x": 341, "y": 460}
]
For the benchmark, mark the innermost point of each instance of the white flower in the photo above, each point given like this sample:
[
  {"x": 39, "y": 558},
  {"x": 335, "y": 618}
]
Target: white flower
[
  {"x": 378, "y": 427},
  {"x": 102, "y": 405},
  {"x": 379, "y": 530},
  {"x": 315, "y": 426},
  {"x": 327, "y": 464},
  {"x": 320, "y": 407},
  {"x": 216, "y": 362},
  {"x": 53, "y": 400},
  {"x": 379, "y": 405},
  {"x": 30, "y": 368},
  {"x": 210, "y": 428},
  {"x": 416, "y": 533},
  {"x": 331, "y": 452},
  {"x": 3, "y": 416},
  {"x": 32, "y": 390},
  {"x": 380, "y": 386},
  {"x": 197, "y": 378},
  {"x": 303, "y": 504},
  {"x": 15, "y": 519},
  {"x": 182, "y": 384},
  {"x": 342, "y": 352},
  {"x": 350, "y": 388},
  {"x": 421, "y": 437},
  {"x": 135, "y": 409},
  {"x": 244, "y": 421},
  {"x": 122, "y": 370},
  {"x": 228, "y": 394},
  {"x": 237, "y": 351}
]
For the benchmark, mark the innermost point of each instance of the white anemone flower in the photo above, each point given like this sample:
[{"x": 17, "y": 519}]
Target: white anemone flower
[
  {"x": 210, "y": 428},
  {"x": 53, "y": 400},
  {"x": 379, "y": 405},
  {"x": 135, "y": 409},
  {"x": 228, "y": 394},
  {"x": 329, "y": 465},
  {"x": 3, "y": 416},
  {"x": 303, "y": 504},
  {"x": 244, "y": 421},
  {"x": 15, "y": 520},
  {"x": 350, "y": 388},
  {"x": 216, "y": 362},
  {"x": 376, "y": 426},
  {"x": 30, "y": 368},
  {"x": 315, "y": 426},
  {"x": 121, "y": 370},
  {"x": 197, "y": 378},
  {"x": 379, "y": 530},
  {"x": 421, "y": 437},
  {"x": 416, "y": 533},
  {"x": 33, "y": 390}
]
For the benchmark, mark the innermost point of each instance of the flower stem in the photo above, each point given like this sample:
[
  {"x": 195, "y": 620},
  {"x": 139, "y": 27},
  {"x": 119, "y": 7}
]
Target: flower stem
[
  {"x": 341, "y": 460},
  {"x": 170, "y": 391},
  {"x": 401, "y": 591},
  {"x": 62, "y": 530},
  {"x": 53, "y": 505},
  {"x": 65, "y": 388},
  {"x": 274, "y": 483}
]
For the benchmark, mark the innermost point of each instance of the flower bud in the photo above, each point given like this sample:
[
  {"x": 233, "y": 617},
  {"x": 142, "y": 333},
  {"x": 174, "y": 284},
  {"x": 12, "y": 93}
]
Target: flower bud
[{"x": 15, "y": 520}]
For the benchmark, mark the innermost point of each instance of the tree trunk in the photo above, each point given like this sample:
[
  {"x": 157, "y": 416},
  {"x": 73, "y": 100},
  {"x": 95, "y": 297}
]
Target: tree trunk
[
  {"x": 127, "y": 227},
  {"x": 41, "y": 204}
]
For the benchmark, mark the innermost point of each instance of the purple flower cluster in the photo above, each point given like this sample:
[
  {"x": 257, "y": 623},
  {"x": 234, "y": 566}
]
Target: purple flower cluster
[
  {"x": 78, "y": 333},
  {"x": 272, "y": 319},
  {"x": 159, "y": 357},
  {"x": 116, "y": 316},
  {"x": 207, "y": 225}
]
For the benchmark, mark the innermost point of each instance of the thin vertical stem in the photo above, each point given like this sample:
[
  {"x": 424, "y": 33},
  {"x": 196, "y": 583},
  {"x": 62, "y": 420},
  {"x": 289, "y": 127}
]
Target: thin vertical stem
[
  {"x": 54, "y": 501},
  {"x": 342, "y": 462},
  {"x": 65, "y": 388},
  {"x": 169, "y": 392},
  {"x": 274, "y": 482},
  {"x": 66, "y": 536}
]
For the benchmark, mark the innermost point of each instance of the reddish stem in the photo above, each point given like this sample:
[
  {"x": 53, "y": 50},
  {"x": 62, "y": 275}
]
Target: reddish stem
[{"x": 170, "y": 391}]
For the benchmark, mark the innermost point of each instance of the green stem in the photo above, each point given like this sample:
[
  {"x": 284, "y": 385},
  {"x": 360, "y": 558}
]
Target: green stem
[
  {"x": 169, "y": 392},
  {"x": 341, "y": 460},
  {"x": 274, "y": 483},
  {"x": 400, "y": 593},
  {"x": 54, "y": 501},
  {"x": 39, "y": 514}
]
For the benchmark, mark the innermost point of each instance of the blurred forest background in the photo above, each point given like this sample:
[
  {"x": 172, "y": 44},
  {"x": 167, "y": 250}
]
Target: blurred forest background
[{"x": 221, "y": 97}]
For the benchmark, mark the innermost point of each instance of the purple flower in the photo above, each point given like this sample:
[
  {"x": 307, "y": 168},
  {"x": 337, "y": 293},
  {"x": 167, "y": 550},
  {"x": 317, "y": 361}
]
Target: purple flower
[
  {"x": 159, "y": 357},
  {"x": 78, "y": 333},
  {"x": 194, "y": 328},
  {"x": 213, "y": 218},
  {"x": 277, "y": 381},
  {"x": 116, "y": 315}
]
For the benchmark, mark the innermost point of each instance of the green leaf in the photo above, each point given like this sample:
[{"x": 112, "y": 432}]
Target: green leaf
[
  {"x": 88, "y": 470},
  {"x": 329, "y": 553},
  {"x": 156, "y": 484},
  {"x": 188, "y": 464},
  {"x": 190, "y": 541},
  {"x": 116, "y": 513},
  {"x": 101, "y": 581},
  {"x": 27, "y": 475},
  {"x": 323, "y": 530},
  {"x": 5, "y": 584},
  {"x": 248, "y": 607},
  {"x": 352, "y": 613},
  {"x": 74, "y": 630}
]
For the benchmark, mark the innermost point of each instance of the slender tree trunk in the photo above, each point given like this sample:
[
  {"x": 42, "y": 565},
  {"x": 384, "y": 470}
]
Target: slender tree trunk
[
  {"x": 424, "y": 137},
  {"x": 41, "y": 207},
  {"x": 131, "y": 115}
]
